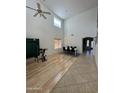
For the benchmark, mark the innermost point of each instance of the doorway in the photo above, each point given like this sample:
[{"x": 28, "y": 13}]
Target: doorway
[{"x": 87, "y": 45}]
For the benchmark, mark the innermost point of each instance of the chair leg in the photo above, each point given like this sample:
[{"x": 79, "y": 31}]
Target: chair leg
[{"x": 36, "y": 59}]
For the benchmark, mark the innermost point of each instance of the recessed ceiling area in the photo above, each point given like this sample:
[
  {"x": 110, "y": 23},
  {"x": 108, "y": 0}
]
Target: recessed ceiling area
[{"x": 69, "y": 8}]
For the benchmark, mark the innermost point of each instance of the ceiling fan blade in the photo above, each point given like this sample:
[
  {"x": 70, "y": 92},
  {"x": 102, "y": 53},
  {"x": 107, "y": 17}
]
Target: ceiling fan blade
[
  {"x": 38, "y": 6},
  {"x": 44, "y": 16},
  {"x": 31, "y": 8},
  {"x": 47, "y": 13},
  {"x": 35, "y": 14}
]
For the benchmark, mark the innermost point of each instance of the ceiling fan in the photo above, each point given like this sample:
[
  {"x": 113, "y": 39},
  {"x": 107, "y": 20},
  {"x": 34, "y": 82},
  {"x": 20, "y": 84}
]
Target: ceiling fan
[{"x": 39, "y": 11}]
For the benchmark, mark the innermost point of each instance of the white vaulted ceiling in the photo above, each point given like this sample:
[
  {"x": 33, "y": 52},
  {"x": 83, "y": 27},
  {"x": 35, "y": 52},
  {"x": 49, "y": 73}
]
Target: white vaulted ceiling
[{"x": 69, "y": 8}]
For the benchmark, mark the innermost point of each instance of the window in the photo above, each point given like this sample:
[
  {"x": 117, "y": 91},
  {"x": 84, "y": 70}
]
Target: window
[
  {"x": 57, "y": 22},
  {"x": 57, "y": 43}
]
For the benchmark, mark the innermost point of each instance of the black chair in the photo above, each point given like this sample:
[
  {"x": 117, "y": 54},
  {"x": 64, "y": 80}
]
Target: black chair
[
  {"x": 72, "y": 49},
  {"x": 75, "y": 51},
  {"x": 43, "y": 55},
  {"x": 64, "y": 49},
  {"x": 68, "y": 49}
]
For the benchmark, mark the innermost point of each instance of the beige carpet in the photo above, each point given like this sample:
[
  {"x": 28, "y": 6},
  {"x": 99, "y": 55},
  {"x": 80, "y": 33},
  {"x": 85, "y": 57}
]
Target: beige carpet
[{"x": 80, "y": 78}]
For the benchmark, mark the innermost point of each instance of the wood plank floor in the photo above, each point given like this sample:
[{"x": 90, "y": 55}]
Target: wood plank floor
[
  {"x": 42, "y": 77},
  {"x": 80, "y": 78}
]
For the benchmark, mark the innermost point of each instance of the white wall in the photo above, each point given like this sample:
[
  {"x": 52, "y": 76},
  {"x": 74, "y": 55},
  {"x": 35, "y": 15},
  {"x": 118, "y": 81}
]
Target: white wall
[
  {"x": 81, "y": 25},
  {"x": 37, "y": 27},
  {"x": 96, "y": 54}
]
